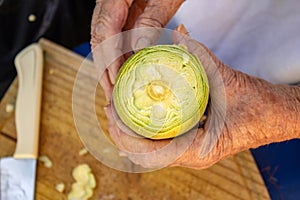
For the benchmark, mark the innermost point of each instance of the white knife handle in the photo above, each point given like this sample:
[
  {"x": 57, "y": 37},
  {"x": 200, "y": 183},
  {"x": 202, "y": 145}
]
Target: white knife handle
[{"x": 29, "y": 65}]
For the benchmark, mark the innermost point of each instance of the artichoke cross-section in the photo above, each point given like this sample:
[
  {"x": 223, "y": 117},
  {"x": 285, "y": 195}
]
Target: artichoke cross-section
[{"x": 161, "y": 91}]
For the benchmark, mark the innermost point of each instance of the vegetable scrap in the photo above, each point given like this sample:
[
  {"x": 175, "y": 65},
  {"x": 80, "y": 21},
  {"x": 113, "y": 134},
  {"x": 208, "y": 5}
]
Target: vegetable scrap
[
  {"x": 47, "y": 162},
  {"x": 82, "y": 189}
]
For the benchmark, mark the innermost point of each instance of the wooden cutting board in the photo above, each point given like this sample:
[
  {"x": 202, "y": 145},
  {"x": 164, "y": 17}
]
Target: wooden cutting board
[{"x": 234, "y": 178}]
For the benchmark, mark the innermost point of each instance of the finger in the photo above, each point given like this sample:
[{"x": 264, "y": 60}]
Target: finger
[
  {"x": 103, "y": 75},
  {"x": 136, "y": 9},
  {"x": 106, "y": 86},
  {"x": 114, "y": 68},
  {"x": 215, "y": 71},
  {"x": 112, "y": 129},
  {"x": 192, "y": 152},
  {"x": 142, "y": 151},
  {"x": 108, "y": 19},
  {"x": 123, "y": 141},
  {"x": 192, "y": 158},
  {"x": 156, "y": 14},
  {"x": 129, "y": 142},
  {"x": 106, "y": 22},
  {"x": 216, "y": 115},
  {"x": 114, "y": 133}
]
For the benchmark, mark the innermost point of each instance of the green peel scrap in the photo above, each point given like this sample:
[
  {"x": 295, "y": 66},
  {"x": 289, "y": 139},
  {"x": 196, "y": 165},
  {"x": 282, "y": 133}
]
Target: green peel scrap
[{"x": 161, "y": 91}]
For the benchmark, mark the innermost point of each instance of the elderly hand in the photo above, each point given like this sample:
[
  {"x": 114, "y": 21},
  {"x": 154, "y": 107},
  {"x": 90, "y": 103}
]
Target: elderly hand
[
  {"x": 244, "y": 112},
  {"x": 112, "y": 16}
]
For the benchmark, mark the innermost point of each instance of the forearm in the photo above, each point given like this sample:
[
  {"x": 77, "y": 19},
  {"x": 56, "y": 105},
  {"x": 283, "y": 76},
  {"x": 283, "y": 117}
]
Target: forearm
[
  {"x": 293, "y": 108},
  {"x": 286, "y": 113},
  {"x": 275, "y": 111}
]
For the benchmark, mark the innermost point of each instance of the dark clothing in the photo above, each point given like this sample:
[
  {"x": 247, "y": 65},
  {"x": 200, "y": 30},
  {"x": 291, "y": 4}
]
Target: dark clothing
[{"x": 66, "y": 22}]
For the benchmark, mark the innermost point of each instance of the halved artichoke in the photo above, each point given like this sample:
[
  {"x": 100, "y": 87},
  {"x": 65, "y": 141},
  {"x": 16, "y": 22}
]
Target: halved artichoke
[{"x": 161, "y": 91}]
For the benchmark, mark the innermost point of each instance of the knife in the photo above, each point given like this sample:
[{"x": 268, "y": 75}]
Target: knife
[{"x": 17, "y": 173}]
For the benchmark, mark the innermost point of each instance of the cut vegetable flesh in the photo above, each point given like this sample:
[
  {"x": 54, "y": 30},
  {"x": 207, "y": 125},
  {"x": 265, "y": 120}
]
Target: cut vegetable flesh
[{"x": 161, "y": 91}]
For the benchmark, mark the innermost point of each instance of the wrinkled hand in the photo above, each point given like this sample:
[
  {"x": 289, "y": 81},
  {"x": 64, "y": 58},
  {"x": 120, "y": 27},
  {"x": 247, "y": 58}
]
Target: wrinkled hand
[
  {"x": 112, "y": 16},
  {"x": 243, "y": 113}
]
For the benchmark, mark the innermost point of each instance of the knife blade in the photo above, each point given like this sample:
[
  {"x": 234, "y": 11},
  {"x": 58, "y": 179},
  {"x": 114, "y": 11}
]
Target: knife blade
[{"x": 17, "y": 173}]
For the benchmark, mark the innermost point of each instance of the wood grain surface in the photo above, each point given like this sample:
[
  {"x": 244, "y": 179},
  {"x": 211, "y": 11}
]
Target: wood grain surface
[{"x": 234, "y": 178}]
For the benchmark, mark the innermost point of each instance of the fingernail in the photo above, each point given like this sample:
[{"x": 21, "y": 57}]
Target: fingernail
[
  {"x": 142, "y": 43},
  {"x": 181, "y": 28}
]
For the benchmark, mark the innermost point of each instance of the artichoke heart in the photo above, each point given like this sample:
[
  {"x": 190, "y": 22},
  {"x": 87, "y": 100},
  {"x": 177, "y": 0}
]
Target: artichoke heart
[{"x": 161, "y": 91}]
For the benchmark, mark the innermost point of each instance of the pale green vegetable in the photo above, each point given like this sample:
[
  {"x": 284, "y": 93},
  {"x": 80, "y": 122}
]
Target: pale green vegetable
[
  {"x": 82, "y": 189},
  {"x": 161, "y": 91}
]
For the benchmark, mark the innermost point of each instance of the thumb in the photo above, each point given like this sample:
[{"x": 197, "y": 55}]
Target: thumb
[{"x": 156, "y": 15}]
